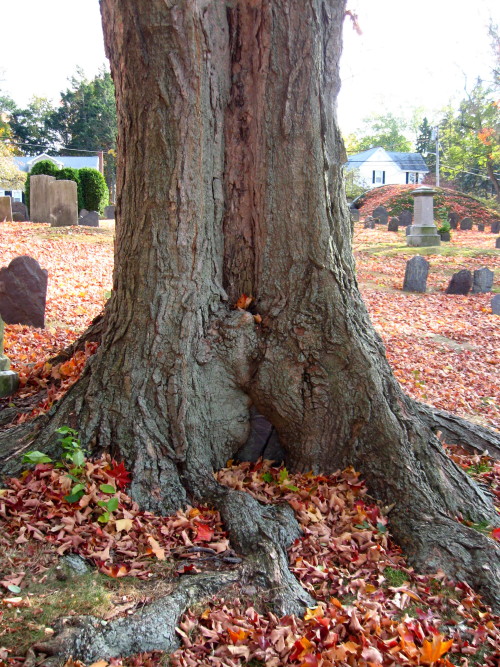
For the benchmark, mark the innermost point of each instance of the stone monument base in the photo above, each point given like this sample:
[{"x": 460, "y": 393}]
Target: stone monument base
[
  {"x": 423, "y": 236},
  {"x": 9, "y": 382}
]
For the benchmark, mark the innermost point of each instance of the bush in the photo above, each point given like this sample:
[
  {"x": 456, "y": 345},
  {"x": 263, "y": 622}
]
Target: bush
[
  {"x": 70, "y": 174},
  {"x": 46, "y": 167},
  {"x": 94, "y": 189}
]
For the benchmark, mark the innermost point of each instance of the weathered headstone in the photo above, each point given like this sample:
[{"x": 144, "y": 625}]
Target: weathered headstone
[
  {"x": 482, "y": 281},
  {"x": 460, "y": 283},
  {"x": 5, "y": 209},
  {"x": 380, "y": 214},
  {"x": 453, "y": 219},
  {"x": 495, "y": 304},
  {"x": 495, "y": 227},
  {"x": 19, "y": 212},
  {"x": 393, "y": 225},
  {"x": 9, "y": 380},
  {"x": 91, "y": 219},
  {"x": 480, "y": 227},
  {"x": 445, "y": 236},
  {"x": 466, "y": 224},
  {"x": 83, "y": 212},
  {"x": 405, "y": 218},
  {"x": 63, "y": 203},
  {"x": 109, "y": 212},
  {"x": 40, "y": 197},
  {"x": 369, "y": 223},
  {"x": 497, "y": 243},
  {"x": 417, "y": 270},
  {"x": 353, "y": 211},
  {"x": 23, "y": 291},
  {"x": 423, "y": 232}
]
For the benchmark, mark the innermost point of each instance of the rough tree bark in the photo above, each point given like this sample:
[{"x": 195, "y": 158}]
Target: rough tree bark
[{"x": 229, "y": 182}]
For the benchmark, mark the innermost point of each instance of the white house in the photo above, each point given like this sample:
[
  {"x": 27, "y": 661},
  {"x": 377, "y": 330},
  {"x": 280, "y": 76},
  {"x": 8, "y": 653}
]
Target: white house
[
  {"x": 377, "y": 166},
  {"x": 27, "y": 162}
]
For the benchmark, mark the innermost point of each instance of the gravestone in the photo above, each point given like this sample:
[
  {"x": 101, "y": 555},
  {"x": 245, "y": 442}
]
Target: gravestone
[
  {"x": 91, "y": 219},
  {"x": 393, "y": 225},
  {"x": 417, "y": 270},
  {"x": 9, "y": 380},
  {"x": 40, "y": 197},
  {"x": 495, "y": 227},
  {"x": 405, "y": 218},
  {"x": 353, "y": 211},
  {"x": 63, "y": 203},
  {"x": 23, "y": 291},
  {"x": 408, "y": 230},
  {"x": 480, "y": 227},
  {"x": 5, "y": 209},
  {"x": 453, "y": 219},
  {"x": 83, "y": 213},
  {"x": 423, "y": 231},
  {"x": 19, "y": 212},
  {"x": 369, "y": 223},
  {"x": 466, "y": 224},
  {"x": 445, "y": 236},
  {"x": 380, "y": 215},
  {"x": 109, "y": 212},
  {"x": 497, "y": 243},
  {"x": 495, "y": 304},
  {"x": 482, "y": 281},
  {"x": 460, "y": 283}
]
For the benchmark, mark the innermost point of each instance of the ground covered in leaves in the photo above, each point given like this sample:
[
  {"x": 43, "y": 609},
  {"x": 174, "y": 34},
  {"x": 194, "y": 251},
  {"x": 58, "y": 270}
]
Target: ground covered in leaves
[{"x": 372, "y": 608}]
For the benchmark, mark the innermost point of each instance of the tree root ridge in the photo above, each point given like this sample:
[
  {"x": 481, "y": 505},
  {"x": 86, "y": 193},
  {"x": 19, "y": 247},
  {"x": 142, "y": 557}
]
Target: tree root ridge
[
  {"x": 153, "y": 628},
  {"x": 263, "y": 533},
  {"x": 438, "y": 542},
  {"x": 458, "y": 431}
]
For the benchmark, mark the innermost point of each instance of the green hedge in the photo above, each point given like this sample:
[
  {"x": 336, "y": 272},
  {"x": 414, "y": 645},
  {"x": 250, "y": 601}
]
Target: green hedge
[{"x": 95, "y": 190}]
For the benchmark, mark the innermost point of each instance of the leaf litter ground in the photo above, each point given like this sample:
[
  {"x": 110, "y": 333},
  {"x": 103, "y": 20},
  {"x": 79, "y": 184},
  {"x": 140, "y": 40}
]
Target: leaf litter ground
[{"x": 372, "y": 608}]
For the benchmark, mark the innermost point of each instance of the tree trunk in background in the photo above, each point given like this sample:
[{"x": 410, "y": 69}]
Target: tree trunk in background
[{"x": 229, "y": 183}]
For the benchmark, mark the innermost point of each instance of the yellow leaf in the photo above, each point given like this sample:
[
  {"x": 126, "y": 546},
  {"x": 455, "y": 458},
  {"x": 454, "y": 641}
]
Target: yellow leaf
[
  {"x": 315, "y": 612},
  {"x": 123, "y": 524}
]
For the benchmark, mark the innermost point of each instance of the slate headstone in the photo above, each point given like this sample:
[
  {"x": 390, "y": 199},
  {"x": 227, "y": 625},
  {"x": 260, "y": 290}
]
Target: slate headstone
[
  {"x": 495, "y": 227},
  {"x": 453, "y": 219},
  {"x": 460, "y": 283},
  {"x": 482, "y": 281},
  {"x": 417, "y": 270},
  {"x": 497, "y": 243},
  {"x": 63, "y": 203},
  {"x": 380, "y": 214},
  {"x": 495, "y": 304},
  {"x": 369, "y": 223},
  {"x": 393, "y": 225},
  {"x": 405, "y": 218},
  {"x": 90, "y": 219},
  {"x": 40, "y": 197},
  {"x": 23, "y": 291},
  {"x": 480, "y": 227},
  {"x": 82, "y": 213},
  {"x": 19, "y": 212},
  {"x": 5, "y": 209},
  {"x": 466, "y": 224},
  {"x": 353, "y": 211}
]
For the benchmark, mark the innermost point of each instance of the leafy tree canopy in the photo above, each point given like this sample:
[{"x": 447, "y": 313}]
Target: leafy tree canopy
[{"x": 385, "y": 130}]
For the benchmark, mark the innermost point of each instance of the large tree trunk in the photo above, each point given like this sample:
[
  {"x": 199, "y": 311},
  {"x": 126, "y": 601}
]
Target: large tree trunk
[{"x": 229, "y": 183}]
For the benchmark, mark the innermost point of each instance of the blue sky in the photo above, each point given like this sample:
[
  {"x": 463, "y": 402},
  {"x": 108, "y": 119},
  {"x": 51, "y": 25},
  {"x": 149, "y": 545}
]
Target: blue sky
[{"x": 411, "y": 54}]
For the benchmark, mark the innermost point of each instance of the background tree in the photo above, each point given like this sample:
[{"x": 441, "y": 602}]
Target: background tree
[
  {"x": 11, "y": 178},
  {"x": 31, "y": 127},
  {"x": 426, "y": 145},
  {"x": 86, "y": 119},
  {"x": 385, "y": 130},
  {"x": 230, "y": 183}
]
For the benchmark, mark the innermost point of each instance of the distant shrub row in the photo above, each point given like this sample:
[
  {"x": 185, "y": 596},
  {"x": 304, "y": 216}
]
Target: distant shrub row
[{"x": 92, "y": 190}]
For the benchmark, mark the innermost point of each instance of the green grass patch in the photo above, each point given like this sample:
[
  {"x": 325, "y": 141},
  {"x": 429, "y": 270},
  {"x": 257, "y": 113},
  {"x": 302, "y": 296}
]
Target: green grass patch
[{"x": 394, "y": 578}]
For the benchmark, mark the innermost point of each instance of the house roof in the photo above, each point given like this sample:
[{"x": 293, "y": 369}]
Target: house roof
[
  {"x": 25, "y": 162},
  {"x": 405, "y": 161}
]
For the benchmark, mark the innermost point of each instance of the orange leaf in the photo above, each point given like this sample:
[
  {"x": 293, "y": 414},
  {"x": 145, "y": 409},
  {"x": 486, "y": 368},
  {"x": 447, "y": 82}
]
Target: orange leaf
[
  {"x": 244, "y": 301},
  {"x": 204, "y": 533},
  {"x": 431, "y": 652},
  {"x": 156, "y": 549}
]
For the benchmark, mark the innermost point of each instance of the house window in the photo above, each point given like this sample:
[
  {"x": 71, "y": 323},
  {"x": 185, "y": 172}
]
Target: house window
[
  {"x": 412, "y": 177},
  {"x": 378, "y": 177}
]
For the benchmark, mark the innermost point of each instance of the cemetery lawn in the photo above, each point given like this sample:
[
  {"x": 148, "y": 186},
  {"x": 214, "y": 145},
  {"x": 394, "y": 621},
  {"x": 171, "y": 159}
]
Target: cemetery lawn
[{"x": 372, "y": 608}]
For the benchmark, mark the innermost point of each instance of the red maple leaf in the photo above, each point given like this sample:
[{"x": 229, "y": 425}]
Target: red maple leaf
[{"x": 120, "y": 474}]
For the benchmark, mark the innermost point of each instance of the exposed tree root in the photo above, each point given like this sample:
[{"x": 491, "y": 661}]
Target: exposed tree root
[
  {"x": 150, "y": 629},
  {"x": 458, "y": 431}
]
